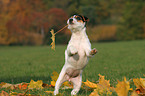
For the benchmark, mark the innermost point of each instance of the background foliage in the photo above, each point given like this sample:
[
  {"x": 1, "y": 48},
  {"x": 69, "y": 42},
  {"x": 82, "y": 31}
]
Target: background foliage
[{"x": 28, "y": 22}]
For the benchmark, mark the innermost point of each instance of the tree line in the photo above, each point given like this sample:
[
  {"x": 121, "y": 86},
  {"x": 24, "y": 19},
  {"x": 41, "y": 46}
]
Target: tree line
[{"x": 28, "y": 22}]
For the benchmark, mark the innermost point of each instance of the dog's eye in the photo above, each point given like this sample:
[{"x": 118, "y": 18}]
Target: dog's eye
[{"x": 78, "y": 18}]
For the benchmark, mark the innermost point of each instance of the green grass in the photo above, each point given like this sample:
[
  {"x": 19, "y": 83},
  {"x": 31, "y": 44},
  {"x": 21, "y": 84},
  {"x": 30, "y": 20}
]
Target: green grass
[{"x": 114, "y": 60}]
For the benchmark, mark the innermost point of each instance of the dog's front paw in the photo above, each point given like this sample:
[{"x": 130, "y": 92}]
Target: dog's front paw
[
  {"x": 93, "y": 51},
  {"x": 74, "y": 51},
  {"x": 74, "y": 92},
  {"x": 55, "y": 92}
]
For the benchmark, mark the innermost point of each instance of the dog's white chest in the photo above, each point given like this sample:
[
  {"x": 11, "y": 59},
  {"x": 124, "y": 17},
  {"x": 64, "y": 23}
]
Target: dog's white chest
[{"x": 81, "y": 43}]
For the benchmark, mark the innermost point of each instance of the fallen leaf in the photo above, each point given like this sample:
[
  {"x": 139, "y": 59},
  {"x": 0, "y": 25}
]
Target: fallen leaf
[
  {"x": 54, "y": 76},
  {"x": 90, "y": 84},
  {"x": 2, "y": 83},
  {"x": 23, "y": 86},
  {"x": 7, "y": 85},
  {"x": 67, "y": 85},
  {"x": 94, "y": 93},
  {"x": 140, "y": 84},
  {"x": 49, "y": 92},
  {"x": 53, "y": 83},
  {"x": 134, "y": 93},
  {"x": 4, "y": 93},
  {"x": 122, "y": 88},
  {"x": 14, "y": 93},
  {"x": 35, "y": 85},
  {"x": 45, "y": 85}
]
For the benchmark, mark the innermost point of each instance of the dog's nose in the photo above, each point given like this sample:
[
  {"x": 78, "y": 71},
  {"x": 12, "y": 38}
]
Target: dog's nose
[{"x": 71, "y": 21}]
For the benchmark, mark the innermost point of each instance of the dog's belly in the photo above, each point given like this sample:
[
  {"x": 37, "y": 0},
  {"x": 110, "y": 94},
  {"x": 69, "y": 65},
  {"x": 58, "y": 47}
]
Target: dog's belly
[{"x": 72, "y": 72}]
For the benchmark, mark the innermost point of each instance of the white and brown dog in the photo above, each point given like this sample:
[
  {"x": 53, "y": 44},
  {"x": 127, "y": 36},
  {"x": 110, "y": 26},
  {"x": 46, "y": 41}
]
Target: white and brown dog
[{"x": 76, "y": 55}]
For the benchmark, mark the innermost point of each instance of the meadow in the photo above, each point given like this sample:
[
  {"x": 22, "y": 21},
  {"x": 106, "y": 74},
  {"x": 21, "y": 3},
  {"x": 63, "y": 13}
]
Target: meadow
[{"x": 114, "y": 60}]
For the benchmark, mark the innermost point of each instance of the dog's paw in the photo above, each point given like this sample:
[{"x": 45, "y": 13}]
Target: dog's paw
[
  {"x": 74, "y": 52},
  {"x": 56, "y": 92},
  {"x": 93, "y": 51},
  {"x": 74, "y": 92}
]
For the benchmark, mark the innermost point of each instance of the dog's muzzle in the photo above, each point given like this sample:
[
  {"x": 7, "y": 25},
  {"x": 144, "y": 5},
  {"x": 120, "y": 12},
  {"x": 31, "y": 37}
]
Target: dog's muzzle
[{"x": 71, "y": 21}]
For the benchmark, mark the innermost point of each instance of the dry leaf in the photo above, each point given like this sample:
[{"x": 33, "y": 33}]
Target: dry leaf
[
  {"x": 53, "y": 83},
  {"x": 53, "y": 40},
  {"x": 140, "y": 84},
  {"x": 35, "y": 85},
  {"x": 14, "y": 93},
  {"x": 2, "y": 83},
  {"x": 23, "y": 86},
  {"x": 122, "y": 88},
  {"x": 66, "y": 85},
  {"x": 54, "y": 76},
  {"x": 49, "y": 92},
  {"x": 134, "y": 93},
  {"x": 7, "y": 85},
  {"x": 104, "y": 86},
  {"x": 94, "y": 93},
  {"x": 90, "y": 84},
  {"x": 45, "y": 85},
  {"x": 4, "y": 93}
]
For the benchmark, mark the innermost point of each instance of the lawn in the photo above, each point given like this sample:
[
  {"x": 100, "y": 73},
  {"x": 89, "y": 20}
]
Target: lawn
[{"x": 114, "y": 60}]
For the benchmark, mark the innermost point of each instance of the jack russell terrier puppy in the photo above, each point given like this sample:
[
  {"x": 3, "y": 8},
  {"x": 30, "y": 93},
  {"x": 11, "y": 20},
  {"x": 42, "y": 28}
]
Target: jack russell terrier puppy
[{"x": 76, "y": 55}]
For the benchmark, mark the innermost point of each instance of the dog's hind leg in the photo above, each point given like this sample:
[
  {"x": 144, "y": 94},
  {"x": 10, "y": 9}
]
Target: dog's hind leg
[
  {"x": 60, "y": 80},
  {"x": 77, "y": 82}
]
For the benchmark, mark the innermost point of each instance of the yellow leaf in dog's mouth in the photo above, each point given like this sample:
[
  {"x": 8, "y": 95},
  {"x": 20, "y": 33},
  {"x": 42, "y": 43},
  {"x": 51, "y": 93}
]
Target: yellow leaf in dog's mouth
[{"x": 53, "y": 39}]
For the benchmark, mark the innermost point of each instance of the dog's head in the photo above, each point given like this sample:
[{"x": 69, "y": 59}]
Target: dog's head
[{"x": 77, "y": 22}]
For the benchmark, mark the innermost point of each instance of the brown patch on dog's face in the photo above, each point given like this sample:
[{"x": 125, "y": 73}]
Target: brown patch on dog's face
[
  {"x": 78, "y": 18},
  {"x": 81, "y": 18}
]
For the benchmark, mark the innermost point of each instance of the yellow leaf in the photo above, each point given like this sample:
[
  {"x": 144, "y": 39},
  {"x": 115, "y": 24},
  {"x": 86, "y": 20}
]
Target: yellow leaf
[
  {"x": 7, "y": 85},
  {"x": 54, "y": 76},
  {"x": 13, "y": 93},
  {"x": 103, "y": 86},
  {"x": 90, "y": 84},
  {"x": 122, "y": 88},
  {"x": 4, "y": 93},
  {"x": 53, "y": 83},
  {"x": 104, "y": 82},
  {"x": 140, "y": 84},
  {"x": 2, "y": 83},
  {"x": 94, "y": 93},
  {"x": 134, "y": 93},
  {"x": 67, "y": 85},
  {"x": 49, "y": 92},
  {"x": 53, "y": 40},
  {"x": 35, "y": 85}
]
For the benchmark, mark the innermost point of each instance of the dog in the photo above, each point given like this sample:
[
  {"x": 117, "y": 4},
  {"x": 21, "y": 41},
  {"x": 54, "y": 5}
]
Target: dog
[{"x": 76, "y": 55}]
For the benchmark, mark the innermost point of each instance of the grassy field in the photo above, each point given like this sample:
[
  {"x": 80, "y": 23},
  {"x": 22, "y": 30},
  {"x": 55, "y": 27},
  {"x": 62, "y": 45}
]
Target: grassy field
[{"x": 114, "y": 60}]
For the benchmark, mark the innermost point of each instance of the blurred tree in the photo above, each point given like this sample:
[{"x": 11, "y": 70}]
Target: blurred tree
[
  {"x": 97, "y": 11},
  {"x": 3, "y": 20},
  {"x": 57, "y": 19},
  {"x": 131, "y": 24},
  {"x": 24, "y": 21},
  {"x": 29, "y": 21}
]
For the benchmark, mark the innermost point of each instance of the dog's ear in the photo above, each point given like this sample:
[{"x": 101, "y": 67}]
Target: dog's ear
[{"x": 86, "y": 19}]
